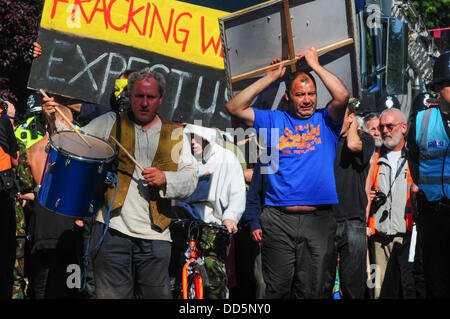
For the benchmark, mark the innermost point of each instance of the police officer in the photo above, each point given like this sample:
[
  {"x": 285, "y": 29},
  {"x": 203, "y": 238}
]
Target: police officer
[
  {"x": 429, "y": 157},
  {"x": 8, "y": 159},
  {"x": 32, "y": 130},
  {"x": 24, "y": 194}
]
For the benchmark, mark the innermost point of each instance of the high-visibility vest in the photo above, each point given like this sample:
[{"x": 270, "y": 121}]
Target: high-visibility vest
[
  {"x": 408, "y": 209},
  {"x": 5, "y": 160},
  {"x": 23, "y": 133},
  {"x": 434, "y": 156}
]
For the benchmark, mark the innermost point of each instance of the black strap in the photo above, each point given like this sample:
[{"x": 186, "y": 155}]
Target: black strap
[
  {"x": 118, "y": 128},
  {"x": 399, "y": 169},
  {"x": 115, "y": 163},
  {"x": 389, "y": 194}
]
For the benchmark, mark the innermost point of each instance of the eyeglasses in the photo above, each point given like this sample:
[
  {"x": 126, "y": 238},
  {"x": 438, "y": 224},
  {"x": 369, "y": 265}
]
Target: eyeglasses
[{"x": 389, "y": 126}]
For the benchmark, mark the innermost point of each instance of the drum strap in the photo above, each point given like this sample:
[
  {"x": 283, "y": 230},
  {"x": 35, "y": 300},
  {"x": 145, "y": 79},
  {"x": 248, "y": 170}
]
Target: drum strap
[
  {"x": 115, "y": 163},
  {"x": 162, "y": 160},
  {"x": 122, "y": 164}
]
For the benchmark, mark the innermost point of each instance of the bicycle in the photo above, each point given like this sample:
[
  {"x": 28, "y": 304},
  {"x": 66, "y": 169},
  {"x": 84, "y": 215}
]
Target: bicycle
[{"x": 194, "y": 277}]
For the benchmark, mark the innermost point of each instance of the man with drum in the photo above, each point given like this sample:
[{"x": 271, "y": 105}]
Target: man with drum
[{"x": 133, "y": 258}]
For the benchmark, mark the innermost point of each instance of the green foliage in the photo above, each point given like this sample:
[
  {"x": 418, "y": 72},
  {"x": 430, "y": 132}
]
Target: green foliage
[
  {"x": 19, "y": 26},
  {"x": 435, "y": 13}
]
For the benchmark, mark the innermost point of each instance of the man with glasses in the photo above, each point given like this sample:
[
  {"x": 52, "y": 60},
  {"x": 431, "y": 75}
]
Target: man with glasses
[
  {"x": 429, "y": 157},
  {"x": 393, "y": 219}
]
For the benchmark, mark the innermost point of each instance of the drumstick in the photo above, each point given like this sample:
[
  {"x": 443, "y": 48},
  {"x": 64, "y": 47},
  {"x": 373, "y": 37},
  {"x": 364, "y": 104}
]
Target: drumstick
[
  {"x": 128, "y": 154},
  {"x": 67, "y": 120}
]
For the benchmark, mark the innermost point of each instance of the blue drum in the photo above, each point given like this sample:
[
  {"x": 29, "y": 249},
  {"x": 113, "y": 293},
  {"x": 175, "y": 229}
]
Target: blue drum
[{"x": 74, "y": 175}]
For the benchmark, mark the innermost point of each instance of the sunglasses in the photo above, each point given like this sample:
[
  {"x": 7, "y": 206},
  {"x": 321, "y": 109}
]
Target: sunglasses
[{"x": 389, "y": 126}]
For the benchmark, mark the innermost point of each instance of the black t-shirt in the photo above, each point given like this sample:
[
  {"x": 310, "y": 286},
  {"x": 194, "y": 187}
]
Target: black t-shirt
[
  {"x": 8, "y": 140},
  {"x": 350, "y": 170},
  {"x": 50, "y": 230}
]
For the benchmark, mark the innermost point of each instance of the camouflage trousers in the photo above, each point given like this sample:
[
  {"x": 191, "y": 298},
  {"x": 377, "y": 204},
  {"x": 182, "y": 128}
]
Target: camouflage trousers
[
  {"x": 20, "y": 283},
  {"x": 214, "y": 244}
]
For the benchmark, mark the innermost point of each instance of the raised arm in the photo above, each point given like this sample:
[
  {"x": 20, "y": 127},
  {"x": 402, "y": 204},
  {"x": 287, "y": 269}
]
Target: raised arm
[
  {"x": 354, "y": 142},
  {"x": 239, "y": 105},
  {"x": 48, "y": 107},
  {"x": 337, "y": 89}
]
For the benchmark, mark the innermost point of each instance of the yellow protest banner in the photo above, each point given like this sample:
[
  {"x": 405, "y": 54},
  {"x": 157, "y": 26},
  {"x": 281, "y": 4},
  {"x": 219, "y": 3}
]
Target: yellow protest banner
[{"x": 172, "y": 28}]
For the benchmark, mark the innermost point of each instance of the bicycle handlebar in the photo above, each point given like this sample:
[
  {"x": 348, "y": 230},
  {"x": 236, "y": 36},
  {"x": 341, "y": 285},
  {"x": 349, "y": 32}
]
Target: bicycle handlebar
[{"x": 198, "y": 223}]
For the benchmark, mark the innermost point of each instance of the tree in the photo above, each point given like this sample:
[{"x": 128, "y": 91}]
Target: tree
[
  {"x": 435, "y": 13},
  {"x": 19, "y": 26}
]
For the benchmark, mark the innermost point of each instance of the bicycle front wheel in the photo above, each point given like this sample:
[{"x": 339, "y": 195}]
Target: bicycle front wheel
[{"x": 195, "y": 282}]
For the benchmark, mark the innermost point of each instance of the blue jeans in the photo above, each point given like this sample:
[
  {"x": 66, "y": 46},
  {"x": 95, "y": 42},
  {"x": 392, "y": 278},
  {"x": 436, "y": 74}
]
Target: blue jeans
[
  {"x": 127, "y": 267},
  {"x": 351, "y": 245}
]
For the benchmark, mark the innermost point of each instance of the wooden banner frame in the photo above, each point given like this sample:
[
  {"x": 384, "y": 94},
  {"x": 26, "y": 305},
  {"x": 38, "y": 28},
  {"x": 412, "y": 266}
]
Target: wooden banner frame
[
  {"x": 242, "y": 24},
  {"x": 291, "y": 62}
]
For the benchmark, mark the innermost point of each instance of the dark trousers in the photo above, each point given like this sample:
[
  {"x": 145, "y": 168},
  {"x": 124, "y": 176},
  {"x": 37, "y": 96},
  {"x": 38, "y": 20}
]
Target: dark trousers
[
  {"x": 351, "y": 245},
  {"x": 87, "y": 258},
  {"x": 260, "y": 285},
  {"x": 436, "y": 252},
  {"x": 56, "y": 243},
  {"x": 127, "y": 267},
  {"x": 50, "y": 274},
  {"x": 419, "y": 277},
  {"x": 7, "y": 245},
  {"x": 298, "y": 253}
]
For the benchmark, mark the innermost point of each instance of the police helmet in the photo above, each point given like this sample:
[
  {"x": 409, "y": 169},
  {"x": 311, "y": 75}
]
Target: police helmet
[
  {"x": 441, "y": 70},
  {"x": 423, "y": 101},
  {"x": 34, "y": 104},
  {"x": 388, "y": 101}
]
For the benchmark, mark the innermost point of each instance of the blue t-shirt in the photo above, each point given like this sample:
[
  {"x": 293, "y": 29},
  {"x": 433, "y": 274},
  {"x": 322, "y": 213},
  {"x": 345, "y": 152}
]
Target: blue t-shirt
[{"x": 304, "y": 174}]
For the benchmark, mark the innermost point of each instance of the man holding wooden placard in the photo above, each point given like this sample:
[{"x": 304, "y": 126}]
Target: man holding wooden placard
[
  {"x": 298, "y": 227},
  {"x": 155, "y": 164}
]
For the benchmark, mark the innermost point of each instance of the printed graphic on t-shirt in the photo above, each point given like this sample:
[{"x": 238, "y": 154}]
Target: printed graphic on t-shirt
[{"x": 302, "y": 141}]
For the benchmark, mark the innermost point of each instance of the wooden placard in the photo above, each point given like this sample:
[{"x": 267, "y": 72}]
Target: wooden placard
[{"x": 253, "y": 37}]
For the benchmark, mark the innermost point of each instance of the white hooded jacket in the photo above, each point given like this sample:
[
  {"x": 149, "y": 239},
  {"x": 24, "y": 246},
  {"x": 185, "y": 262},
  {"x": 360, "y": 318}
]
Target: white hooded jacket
[{"x": 220, "y": 192}]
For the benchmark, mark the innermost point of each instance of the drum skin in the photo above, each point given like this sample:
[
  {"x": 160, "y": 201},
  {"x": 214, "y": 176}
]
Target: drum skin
[{"x": 73, "y": 185}]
